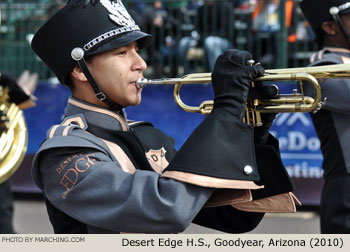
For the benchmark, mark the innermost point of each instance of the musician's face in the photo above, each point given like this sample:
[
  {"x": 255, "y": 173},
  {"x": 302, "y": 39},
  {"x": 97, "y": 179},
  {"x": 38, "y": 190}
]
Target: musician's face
[
  {"x": 345, "y": 18},
  {"x": 333, "y": 35},
  {"x": 116, "y": 72}
]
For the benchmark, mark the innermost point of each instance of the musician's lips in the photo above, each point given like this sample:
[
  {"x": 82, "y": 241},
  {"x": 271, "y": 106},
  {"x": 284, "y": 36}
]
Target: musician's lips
[
  {"x": 140, "y": 83},
  {"x": 134, "y": 83}
]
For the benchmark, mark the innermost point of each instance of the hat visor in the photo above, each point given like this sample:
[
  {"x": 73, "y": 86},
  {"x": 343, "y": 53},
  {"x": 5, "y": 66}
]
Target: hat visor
[{"x": 143, "y": 40}]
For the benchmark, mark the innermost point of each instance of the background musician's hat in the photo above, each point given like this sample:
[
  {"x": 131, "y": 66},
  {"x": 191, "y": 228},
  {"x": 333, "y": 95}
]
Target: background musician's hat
[
  {"x": 317, "y": 12},
  {"x": 95, "y": 26}
]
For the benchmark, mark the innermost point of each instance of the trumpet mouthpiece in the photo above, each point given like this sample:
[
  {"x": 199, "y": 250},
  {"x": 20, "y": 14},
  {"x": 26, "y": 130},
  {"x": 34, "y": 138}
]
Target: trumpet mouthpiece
[{"x": 142, "y": 82}]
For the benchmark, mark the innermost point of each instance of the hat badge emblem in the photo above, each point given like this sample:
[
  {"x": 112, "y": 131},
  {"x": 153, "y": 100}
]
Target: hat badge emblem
[{"x": 117, "y": 12}]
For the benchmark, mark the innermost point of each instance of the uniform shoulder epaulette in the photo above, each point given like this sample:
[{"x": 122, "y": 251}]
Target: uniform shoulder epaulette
[
  {"x": 67, "y": 125},
  {"x": 326, "y": 57}
]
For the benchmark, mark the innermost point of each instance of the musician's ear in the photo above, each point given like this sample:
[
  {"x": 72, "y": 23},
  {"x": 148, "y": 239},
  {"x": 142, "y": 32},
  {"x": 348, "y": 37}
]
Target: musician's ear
[
  {"x": 330, "y": 28},
  {"x": 77, "y": 73}
]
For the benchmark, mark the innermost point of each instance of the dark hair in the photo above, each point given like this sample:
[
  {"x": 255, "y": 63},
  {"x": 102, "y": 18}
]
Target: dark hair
[
  {"x": 319, "y": 36},
  {"x": 68, "y": 81}
]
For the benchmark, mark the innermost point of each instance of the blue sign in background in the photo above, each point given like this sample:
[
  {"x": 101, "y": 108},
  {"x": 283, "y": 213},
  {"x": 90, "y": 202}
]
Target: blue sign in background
[{"x": 299, "y": 144}]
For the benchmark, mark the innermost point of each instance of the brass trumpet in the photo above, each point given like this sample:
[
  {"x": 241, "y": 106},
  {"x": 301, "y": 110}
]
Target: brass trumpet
[{"x": 295, "y": 102}]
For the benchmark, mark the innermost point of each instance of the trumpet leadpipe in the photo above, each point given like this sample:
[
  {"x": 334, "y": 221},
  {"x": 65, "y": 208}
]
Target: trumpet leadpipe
[
  {"x": 143, "y": 82},
  {"x": 196, "y": 78}
]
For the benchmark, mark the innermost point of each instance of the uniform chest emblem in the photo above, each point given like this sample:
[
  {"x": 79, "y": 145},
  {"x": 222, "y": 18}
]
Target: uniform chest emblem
[
  {"x": 117, "y": 12},
  {"x": 157, "y": 159}
]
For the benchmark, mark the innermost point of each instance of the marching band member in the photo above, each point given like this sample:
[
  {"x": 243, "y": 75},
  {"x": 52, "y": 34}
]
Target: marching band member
[
  {"x": 102, "y": 174},
  {"x": 331, "y": 25}
]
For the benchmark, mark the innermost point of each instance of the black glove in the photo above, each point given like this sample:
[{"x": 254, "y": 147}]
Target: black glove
[
  {"x": 261, "y": 133},
  {"x": 16, "y": 93},
  {"x": 262, "y": 91},
  {"x": 220, "y": 151},
  {"x": 231, "y": 79}
]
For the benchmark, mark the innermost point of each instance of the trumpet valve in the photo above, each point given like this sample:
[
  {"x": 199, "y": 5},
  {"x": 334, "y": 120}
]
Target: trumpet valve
[
  {"x": 295, "y": 92},
  {"x": 256, "y": 102}
]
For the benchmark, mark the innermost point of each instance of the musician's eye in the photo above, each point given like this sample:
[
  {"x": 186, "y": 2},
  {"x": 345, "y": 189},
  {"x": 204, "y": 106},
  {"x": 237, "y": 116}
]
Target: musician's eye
[{"x": 122, "y": 53}]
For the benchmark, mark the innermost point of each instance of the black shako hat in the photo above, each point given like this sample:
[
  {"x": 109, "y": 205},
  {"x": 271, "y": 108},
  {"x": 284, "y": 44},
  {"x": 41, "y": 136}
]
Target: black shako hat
[
  {"x": 316, "y": 12},
  {"x": 95, "y": 26}
]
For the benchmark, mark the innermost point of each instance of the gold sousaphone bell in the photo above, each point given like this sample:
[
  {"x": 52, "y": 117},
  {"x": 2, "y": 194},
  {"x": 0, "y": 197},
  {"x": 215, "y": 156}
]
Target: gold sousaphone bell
[
  {"x": 295, "y": 102},
  {"x": 13, "y": 136}
]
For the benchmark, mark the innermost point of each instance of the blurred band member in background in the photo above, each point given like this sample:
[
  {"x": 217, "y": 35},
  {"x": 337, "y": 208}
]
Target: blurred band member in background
[{"x": 330, "y": 22}]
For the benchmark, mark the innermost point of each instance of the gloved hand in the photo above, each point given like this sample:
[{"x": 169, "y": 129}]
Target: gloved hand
[
  {"x": 206, "y": 158},
  {"x": 261, "y": 133},
  {"x": 16, "y": 93},
  {"x": 231, "y": 79},
  {"x": 261, "y": 92}
]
